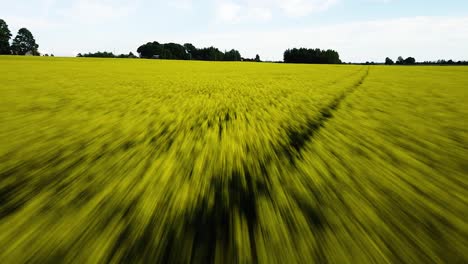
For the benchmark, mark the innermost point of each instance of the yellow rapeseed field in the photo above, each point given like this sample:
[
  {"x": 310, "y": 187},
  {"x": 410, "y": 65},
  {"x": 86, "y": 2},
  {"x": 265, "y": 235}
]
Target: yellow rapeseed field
[{"x": 148, "y": 161}]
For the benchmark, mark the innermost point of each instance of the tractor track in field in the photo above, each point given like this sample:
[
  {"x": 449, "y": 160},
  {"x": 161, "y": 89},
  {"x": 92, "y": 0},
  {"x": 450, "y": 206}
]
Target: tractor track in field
[
  {"x": 297, "y": 139},
  {"x": 239, "y": 192},
  {"x": 209, "y": 224}
]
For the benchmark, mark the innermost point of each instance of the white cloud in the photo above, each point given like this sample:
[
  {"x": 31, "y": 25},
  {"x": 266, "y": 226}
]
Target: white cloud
[
  {"x": 305, "y": 7},
  {"x": 97, "y": 11},
  {"x": 236, "y": 11},
  {"x": 32, "y": 23},
  {"x": 380, "y": 1},
  {"x": 260, "y": 13},
  {"x": 228, "y": 11},
  {"x": 181, "y": 4}
]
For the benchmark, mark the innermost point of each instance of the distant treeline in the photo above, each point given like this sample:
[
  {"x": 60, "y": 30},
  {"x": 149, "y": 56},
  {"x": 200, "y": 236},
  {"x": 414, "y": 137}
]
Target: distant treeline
[
  {"x": 401, "y": 61},
  {"x": 174, "y": 51},
  {"x": 316, "y": 56},
  {"x": 443, "y": 62},
  {"x": 105, "y": 54},
  {"x": 25, "y": 44},
  {"x": 412, "y": 61}
]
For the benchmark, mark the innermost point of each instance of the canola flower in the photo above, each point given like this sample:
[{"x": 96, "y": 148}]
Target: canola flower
[{"x": 143, "y": 161}]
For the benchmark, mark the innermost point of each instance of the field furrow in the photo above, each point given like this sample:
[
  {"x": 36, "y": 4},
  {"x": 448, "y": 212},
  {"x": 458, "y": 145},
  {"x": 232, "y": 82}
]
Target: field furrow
[{"x": 175, "y": 162}]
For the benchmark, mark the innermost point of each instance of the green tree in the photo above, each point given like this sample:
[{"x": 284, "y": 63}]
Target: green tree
[
  {"x": 303, "y": 55},
  {"x": 174, "y": 51},
  {"x": 24, "y": 42},
  {"x": 232, "y": 55},
  {"x": 149, "y": 50},
  {"x": 5, "y": 36},
  {"x": 257, "y": 58},
  {"x": 410, "y": 61},
  {"x": 191, "y": 50},
  {"x": 389, "y": 61},
  {"x": 400, "y": 60}
]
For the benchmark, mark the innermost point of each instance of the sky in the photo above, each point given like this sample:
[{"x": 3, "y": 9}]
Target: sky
[{"x": 360, "y": 30}]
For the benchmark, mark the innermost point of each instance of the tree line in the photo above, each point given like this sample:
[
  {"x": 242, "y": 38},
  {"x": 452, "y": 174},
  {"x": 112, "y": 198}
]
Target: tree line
[
  {"x": 401, "y": 61},
  {"x": 443, "y": 62},
  {"x": 174, "y": 51},
  {"x": 23, "y": 44},
  {"x": 105, "y": 54},
  {"x": 316, "y": 56},
  {"x": 412, "y": 61}
]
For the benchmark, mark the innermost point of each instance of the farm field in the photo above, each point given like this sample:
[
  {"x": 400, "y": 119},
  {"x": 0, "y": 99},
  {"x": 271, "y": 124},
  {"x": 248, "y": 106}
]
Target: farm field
[{"x": 137, "y": 161}]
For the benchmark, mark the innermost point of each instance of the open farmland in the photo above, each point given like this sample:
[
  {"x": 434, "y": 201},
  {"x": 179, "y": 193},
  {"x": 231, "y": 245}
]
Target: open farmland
[{"x": 137, "y": 161}]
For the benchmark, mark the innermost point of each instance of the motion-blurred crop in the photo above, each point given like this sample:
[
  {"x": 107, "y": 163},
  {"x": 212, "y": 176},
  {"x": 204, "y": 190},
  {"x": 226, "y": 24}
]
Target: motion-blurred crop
[{"x": 143, "y": 161}]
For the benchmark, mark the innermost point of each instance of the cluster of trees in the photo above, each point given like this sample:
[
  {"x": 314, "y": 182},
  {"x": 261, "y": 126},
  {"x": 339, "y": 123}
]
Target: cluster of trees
[
  {"x": 401, "y": 61},
  {"x": 256, "y": 59},
  {"x": 317, "y": 56},
  {"x": 106, "y": 54},
  {"x": 24, "y": 42},
  {"x": 444, "y": 62},
  {"x": 412, "y": 61},
  {"x": 174, "y": 51}
]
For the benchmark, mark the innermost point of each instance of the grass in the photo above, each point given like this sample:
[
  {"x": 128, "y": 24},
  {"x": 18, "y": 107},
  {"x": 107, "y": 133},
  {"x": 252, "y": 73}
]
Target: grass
[{"x": 108, "y": 160}]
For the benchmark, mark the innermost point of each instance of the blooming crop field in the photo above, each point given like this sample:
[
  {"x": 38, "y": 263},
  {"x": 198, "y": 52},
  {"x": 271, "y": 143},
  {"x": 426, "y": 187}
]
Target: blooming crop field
[{"x": 137, "y": 161}]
